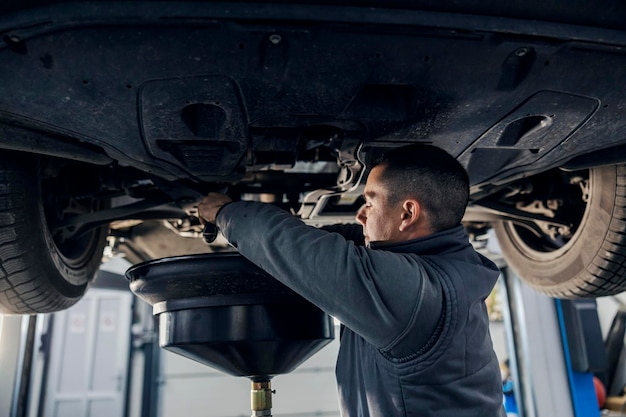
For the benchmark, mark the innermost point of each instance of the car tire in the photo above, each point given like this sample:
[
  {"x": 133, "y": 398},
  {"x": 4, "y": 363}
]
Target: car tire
[
  {"x": 592, "y": 262},
  {"x": 37, "y": 274}
]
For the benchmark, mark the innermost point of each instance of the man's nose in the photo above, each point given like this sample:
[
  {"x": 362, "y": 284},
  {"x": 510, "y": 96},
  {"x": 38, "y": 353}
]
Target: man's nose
[{"x": 360, "y": 215}]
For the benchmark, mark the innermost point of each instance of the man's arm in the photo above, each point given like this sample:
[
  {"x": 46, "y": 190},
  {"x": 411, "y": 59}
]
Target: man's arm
[
  {"x": 375, "y": 293},
  {"x": 213, "y": 203}
]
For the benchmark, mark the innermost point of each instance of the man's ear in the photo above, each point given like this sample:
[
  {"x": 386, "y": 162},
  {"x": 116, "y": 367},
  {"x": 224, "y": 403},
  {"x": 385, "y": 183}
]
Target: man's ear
[{"x": 411, "y": 212}]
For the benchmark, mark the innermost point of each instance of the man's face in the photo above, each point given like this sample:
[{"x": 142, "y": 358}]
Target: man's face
[{"x": 380, "y": 221}]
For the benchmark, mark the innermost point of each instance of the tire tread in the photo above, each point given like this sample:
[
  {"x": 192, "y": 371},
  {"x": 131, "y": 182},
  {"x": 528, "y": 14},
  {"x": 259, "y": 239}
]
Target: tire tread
[
  {"x": 592, "y": 274},
  {"x": 25, "y": 285}
]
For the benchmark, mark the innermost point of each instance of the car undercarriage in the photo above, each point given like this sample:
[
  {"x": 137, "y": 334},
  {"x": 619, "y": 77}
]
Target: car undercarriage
[{"x": 117, "y": 117}]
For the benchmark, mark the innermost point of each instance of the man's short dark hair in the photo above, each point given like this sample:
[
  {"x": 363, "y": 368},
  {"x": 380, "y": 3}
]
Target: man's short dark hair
[{"x": 431, "y": 176}]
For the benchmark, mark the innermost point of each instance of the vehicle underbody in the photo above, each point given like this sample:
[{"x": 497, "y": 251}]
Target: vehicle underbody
[{"x": 117, "y": 117}]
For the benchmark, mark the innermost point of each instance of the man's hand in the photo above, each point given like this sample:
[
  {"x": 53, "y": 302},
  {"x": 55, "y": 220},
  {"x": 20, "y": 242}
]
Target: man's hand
[{"x": 210, "y": 205}]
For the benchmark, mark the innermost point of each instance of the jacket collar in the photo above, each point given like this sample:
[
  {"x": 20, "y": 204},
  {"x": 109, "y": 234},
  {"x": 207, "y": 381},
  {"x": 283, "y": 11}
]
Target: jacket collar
[{"x": 446, "y": 241}]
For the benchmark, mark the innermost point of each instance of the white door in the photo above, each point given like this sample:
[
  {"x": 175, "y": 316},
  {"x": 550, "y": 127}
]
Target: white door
[{"x": 89, "y": 357}]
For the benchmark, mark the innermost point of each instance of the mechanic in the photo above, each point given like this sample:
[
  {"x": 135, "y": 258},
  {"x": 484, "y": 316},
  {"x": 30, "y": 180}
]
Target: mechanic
[{"x": 407, "y": 286}]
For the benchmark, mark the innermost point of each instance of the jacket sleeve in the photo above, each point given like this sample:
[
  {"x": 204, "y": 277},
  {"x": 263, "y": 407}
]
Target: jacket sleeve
[{"x": 375, "y": 293}]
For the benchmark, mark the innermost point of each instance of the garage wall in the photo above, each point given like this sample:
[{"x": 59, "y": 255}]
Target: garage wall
[{"x": 89, "y": 357}]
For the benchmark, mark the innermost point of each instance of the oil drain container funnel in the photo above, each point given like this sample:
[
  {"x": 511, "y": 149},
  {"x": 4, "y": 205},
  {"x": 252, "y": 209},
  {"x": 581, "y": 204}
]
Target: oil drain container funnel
[{"x": 221, "y": 310}]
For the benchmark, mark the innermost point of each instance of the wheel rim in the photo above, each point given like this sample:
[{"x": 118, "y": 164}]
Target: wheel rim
[
  {"x": 61, "y": 201},
  {"x": 77, "y": 251},
  {"x": 553, "y": 244}
]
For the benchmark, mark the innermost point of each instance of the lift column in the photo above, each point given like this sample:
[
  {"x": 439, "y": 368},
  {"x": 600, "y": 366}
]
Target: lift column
[{"x": 554, "y": 346}]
